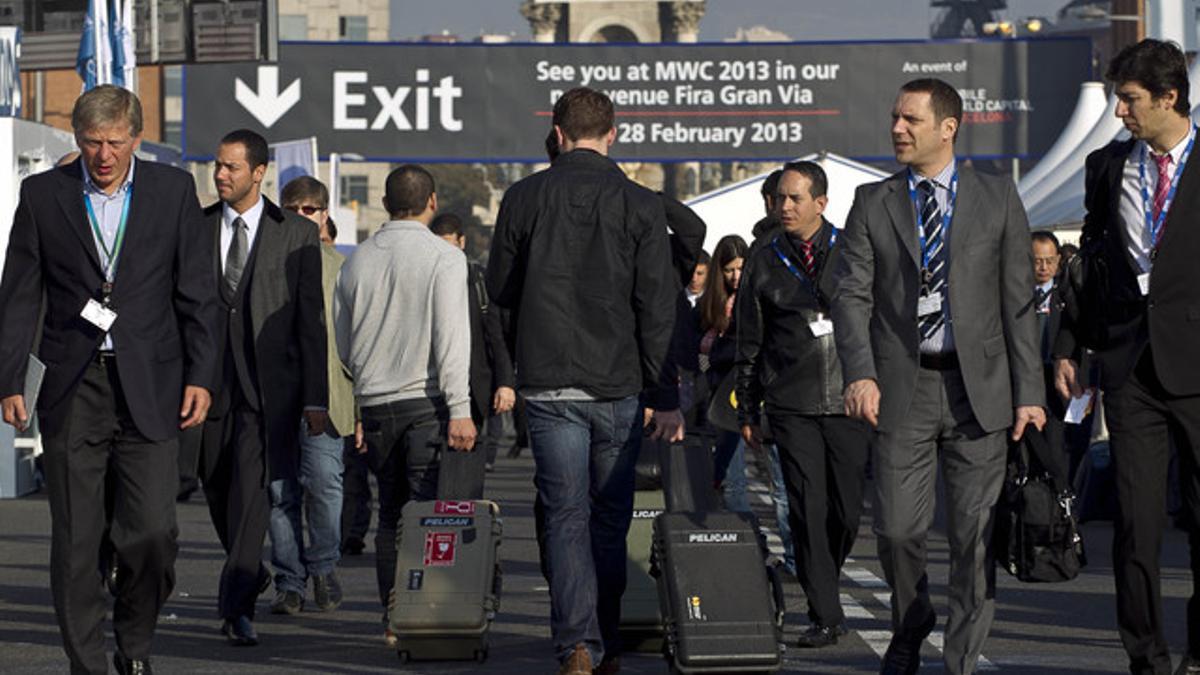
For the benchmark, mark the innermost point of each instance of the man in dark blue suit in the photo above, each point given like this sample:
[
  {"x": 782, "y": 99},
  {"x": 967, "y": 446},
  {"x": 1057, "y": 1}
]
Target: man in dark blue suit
[{"x": 118, "y": 250}]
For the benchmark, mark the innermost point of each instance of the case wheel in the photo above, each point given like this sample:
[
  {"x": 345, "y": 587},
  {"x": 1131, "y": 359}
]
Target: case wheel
[
  {"x": 481, "y": 655},
  {"x": 403, "y": 655}
]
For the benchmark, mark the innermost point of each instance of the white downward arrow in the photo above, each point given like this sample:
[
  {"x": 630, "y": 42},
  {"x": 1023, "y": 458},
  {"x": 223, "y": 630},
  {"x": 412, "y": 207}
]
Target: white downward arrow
[{"x": 267, "y": 104}]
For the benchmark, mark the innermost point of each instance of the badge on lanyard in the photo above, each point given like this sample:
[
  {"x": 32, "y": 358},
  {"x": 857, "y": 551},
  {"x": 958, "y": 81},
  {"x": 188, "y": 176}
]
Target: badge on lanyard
[
  {"x": 1144, "y": 283},
  {"x": 101, "y": 313},
  {"x": 930, "y": 303},
  {"x": 821, "y": 327},
  {"x": 98, "y": 315}
]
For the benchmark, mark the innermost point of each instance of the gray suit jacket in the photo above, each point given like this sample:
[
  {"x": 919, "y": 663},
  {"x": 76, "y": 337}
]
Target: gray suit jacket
[
  {"x": 287, "y": 318},
  {"x": 990, "y": 277}
]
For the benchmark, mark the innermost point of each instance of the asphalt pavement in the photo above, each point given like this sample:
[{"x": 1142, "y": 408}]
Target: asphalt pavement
[{"x": 1039, "y": 628}]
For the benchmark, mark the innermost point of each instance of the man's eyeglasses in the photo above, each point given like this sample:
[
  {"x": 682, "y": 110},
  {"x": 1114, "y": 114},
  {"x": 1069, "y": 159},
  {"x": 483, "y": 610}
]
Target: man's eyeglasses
[{"x": 307, "y": 209}]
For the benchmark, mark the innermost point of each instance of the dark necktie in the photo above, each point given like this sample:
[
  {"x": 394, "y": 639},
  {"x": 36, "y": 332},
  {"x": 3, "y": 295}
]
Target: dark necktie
[
  {"x": 806, "y": 256},
  {"x": 235, "y": 259},
  {"x": 1039, "y": 297},
  {"x": 934, "y": 275}
]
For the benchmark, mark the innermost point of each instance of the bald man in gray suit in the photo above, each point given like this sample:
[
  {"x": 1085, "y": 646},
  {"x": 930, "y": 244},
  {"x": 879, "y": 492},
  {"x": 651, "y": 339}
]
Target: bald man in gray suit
[{"x": 938, "y": 341}]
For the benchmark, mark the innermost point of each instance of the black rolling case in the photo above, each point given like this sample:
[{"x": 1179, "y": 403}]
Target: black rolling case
[{"x": 722, "y": 605}]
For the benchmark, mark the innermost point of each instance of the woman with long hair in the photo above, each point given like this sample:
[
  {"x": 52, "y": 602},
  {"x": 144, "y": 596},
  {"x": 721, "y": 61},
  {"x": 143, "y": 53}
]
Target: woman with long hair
[{"x": 718, "y": 345}]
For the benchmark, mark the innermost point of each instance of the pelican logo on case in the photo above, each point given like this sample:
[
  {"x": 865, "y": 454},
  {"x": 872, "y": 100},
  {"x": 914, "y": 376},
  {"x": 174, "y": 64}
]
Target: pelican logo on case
[
  {"x": 447, "y": 521},
  {"x": 713, "y": 538}
]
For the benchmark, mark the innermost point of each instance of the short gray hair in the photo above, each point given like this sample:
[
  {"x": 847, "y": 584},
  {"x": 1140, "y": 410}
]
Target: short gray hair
[{"x": 104, "y": 105}]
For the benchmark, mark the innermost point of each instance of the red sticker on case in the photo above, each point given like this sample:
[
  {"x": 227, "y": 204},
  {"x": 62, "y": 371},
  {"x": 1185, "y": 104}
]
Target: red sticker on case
[
  {"x": 454, "y": 508},
  {"x": 439, "y": 548}
]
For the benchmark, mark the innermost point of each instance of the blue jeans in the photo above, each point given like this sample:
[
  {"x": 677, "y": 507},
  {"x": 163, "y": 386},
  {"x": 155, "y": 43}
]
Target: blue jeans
[
  {"x": 585, "y": 452},
  {"x": 729, "y": 470},
  {"x": 780, "y": 497},
  {"x": 319, "y": 489}
]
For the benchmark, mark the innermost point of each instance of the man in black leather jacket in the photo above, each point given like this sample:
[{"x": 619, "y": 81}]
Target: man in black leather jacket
[
  {"x": 787, "y": 367},
  {"x": 582, "y": 258}
]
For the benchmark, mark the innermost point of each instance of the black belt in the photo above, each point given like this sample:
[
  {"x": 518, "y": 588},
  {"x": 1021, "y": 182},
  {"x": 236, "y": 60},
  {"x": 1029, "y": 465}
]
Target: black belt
[
  {"x": 944, "y": 361},
  {"x": 105, "y": 356}
]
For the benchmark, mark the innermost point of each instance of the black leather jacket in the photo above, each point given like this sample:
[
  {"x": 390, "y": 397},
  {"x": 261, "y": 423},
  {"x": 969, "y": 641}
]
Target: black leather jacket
[
  {"x": 581, "y": 257},
  {"x": 781, "y": 365}
]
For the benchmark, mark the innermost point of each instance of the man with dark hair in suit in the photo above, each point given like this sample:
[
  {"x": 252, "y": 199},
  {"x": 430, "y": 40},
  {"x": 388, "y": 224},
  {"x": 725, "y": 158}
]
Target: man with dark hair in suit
[
  {"x": 1139, "y": 312},
  {"x": 271, "y": 337},
  {"x": 938, "y": 343},
  {"x": 117, "y": 247}
]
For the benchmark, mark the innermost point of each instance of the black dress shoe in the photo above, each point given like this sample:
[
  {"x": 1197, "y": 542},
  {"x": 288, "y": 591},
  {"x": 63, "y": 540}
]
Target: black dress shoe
[
  {"x": 353, "y": 545},
  {"x": 240, "y": 632},
  {"x": 126, "y": 666},
  {"x": 817, "y": 636},
  {"x": 903, "y": 657}
]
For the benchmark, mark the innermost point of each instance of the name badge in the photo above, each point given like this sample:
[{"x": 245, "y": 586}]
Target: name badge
[
  {"x": 821, "y": 327},
  {"x": 929, "y": 304},
  {"x": 1144, "y": 283},
  {"x": 98, "y": 315}
]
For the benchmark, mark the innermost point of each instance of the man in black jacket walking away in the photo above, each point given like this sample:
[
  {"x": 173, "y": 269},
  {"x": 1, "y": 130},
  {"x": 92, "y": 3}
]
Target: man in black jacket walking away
[
  {"x": 787, "y": 363},
  {"x": 581, "y": 256}
]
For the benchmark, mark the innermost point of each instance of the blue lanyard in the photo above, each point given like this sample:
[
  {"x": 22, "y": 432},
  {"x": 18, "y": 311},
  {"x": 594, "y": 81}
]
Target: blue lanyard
[
  {"x": 947, "y": 216},
  {"x": 1154, "y": 225},
  {"x": 110, "y": 255},
  {"x": 791, "y": 266}
]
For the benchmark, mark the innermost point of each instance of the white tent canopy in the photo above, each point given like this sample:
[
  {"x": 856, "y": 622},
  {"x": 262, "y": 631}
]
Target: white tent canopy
[{"x": 734, "y": 209}]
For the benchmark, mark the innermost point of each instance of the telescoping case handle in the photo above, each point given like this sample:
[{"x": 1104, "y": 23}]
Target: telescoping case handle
[{"x": 777, "y": 592}]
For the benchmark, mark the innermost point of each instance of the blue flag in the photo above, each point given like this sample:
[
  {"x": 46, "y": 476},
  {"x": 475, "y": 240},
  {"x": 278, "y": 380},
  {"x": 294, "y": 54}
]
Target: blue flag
[
  {"x": 116, "y": 41},
  {"x": 85, "y": 60}
]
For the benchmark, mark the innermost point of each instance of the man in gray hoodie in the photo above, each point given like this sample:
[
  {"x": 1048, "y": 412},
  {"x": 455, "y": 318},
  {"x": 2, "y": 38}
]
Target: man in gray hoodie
[{"x": 400, "y": 313}]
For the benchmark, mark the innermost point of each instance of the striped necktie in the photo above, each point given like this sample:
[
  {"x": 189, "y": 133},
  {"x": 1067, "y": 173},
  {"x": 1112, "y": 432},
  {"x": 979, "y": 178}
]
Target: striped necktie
[
  {"x": 806, "y": 256},
  {"x": 934, "y": 276},
  {"x": 1161, "y": 188}
]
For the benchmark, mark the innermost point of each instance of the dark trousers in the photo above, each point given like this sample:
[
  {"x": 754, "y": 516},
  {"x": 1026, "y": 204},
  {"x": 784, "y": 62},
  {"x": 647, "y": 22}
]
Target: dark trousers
[
  {"x": 404, "y": 440},
  {"x": 823, "y": 459},
  {"x": 356, "y": 494},
  {"x": 1142, "y": 419},
  {"x": 189, "y": 460},
  {"x": 234, "y": 478},
  {"x": 940, "y": 425},
  {"x": 100, "y": 444}
]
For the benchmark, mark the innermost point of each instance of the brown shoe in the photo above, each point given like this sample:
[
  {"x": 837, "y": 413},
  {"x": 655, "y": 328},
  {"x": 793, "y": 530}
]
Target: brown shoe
[
  {"x": 610, "y": 665},
  {"x": 578, "y": 663}
]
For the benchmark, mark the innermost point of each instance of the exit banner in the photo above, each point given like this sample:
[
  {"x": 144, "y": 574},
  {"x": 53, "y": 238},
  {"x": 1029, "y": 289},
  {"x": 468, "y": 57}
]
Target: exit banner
[{"x": 753, "y": 101}]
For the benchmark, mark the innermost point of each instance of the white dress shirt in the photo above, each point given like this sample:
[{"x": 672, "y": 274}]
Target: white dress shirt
[{"x": 1135, "y": 233}]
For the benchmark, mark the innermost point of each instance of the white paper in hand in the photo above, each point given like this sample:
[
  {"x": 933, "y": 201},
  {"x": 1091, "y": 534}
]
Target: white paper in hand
[{"x": 1078, "y": 408}]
